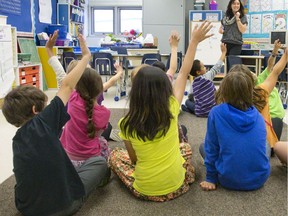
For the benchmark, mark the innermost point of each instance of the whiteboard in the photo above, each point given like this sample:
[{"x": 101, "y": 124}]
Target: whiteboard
[{"x": 208, "y": 51}]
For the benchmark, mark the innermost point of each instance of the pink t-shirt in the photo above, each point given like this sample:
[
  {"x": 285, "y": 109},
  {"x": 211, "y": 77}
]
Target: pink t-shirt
[{"x": 74, "y": 138}]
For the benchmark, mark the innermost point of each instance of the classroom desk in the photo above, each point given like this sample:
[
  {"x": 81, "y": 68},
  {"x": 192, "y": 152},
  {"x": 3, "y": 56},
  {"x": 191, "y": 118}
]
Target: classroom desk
[
  {"x": 257, "y": 60},
  {"x": 135, "y": 57}
]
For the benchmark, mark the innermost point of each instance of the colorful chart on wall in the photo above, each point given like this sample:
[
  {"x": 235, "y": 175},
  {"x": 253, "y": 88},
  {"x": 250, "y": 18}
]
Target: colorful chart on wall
[{"x": 264, "y": 16}]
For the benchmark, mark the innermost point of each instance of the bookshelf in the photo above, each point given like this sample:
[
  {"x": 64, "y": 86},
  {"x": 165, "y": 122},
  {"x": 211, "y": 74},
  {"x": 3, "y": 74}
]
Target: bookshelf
[{"x": 71, "y": 14}]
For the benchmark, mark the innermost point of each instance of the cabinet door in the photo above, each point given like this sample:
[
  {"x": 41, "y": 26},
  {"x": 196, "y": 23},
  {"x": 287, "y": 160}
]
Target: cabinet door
[
  {"x": 170, "y": 12},
  {"x": 63, "y": 14}
]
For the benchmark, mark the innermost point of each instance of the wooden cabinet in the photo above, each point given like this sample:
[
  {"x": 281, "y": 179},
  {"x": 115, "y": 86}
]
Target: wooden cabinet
[{"x": 71, "y": 15}]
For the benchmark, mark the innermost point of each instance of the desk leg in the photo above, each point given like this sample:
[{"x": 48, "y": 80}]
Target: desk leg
[{"x": 260, "y": 66}]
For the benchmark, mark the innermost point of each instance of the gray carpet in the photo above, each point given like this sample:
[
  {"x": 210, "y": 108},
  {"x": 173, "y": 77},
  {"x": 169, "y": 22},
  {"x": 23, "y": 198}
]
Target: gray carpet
[{"x": 115, "y": 199}]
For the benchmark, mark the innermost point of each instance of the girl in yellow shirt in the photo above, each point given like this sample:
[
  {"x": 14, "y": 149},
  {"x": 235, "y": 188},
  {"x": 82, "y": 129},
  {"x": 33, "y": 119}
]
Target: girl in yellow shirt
[{"x": 156, "y": 166}]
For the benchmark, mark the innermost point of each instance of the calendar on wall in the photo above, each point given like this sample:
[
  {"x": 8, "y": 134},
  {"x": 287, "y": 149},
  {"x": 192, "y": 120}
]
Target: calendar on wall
[{"x": 264, "y": 16}]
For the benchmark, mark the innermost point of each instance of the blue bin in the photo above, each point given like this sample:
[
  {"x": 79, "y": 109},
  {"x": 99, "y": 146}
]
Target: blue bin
[{"x": 62, "y": 30}]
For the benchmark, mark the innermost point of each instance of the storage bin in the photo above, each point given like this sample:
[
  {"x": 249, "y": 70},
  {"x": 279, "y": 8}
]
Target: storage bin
[
  {"x": 213, "y": 6},
  {"x": 62, "y": 30},
  {"x": 61, "y": 42}
]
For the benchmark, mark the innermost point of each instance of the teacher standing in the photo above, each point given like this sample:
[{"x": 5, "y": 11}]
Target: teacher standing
[{"x": 233, "y": 25}]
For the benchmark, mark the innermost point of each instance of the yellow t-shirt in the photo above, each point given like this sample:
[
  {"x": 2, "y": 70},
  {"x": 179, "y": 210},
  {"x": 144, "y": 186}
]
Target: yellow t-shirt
[{"x": 159, "y": 168}]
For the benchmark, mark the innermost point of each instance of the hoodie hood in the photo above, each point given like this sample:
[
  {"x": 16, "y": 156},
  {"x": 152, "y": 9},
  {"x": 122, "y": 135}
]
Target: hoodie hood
[{"x": 237, "y": 119}]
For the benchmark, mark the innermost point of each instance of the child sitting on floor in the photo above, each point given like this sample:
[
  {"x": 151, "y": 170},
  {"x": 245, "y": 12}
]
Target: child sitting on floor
[
  {"x": 46, "y": 181},
  {"x": 155, "y": 166},
  {"x": 234, "y": 158},
  {"x": 203, "y": 89}
]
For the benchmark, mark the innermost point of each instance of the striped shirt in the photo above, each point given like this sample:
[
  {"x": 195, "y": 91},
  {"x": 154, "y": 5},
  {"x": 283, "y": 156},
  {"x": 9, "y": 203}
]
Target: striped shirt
[{"x": 204, "y": 90}]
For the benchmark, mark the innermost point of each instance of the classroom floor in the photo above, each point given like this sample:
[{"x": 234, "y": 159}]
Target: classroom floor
[{"x": 7, "y": 131}]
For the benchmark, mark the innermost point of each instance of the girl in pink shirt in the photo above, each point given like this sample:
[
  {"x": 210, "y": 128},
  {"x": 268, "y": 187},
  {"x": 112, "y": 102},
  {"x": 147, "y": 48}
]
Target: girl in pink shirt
[{"x": 81, "y": 137}]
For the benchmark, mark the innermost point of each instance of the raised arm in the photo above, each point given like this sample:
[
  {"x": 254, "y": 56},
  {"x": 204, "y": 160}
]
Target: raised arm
[
  {"x": 223, "y": 52},
  {"x": 71, "y": 79},
  {"x": 113, "y": 79},
  {"x": 271, "y": 80},
  {"x": 53, "y": 60},
  {"x": 271, "y": 59},
  {"x": 197, "y": 35},
  {"x": 173, "y": 41}
]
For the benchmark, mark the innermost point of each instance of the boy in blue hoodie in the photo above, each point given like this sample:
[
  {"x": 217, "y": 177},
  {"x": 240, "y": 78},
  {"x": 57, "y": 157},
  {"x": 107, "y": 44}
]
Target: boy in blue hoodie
[{"x": 234, "y": 156}]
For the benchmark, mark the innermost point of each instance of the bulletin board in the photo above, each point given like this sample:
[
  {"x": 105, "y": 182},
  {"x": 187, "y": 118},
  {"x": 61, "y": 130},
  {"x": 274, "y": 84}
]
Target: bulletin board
[
  {"x": 19, "y": 14},
  {"x": 24, "y": 15},
  {"x": 211, "y": 15},
  {"x": 264, "y": 16},
  {"x": 208, "y": 51}
]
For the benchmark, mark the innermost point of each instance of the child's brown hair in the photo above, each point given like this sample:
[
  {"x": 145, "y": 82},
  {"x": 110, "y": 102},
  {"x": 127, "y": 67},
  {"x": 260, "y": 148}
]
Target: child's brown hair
[{"x": 18, "y": 104}]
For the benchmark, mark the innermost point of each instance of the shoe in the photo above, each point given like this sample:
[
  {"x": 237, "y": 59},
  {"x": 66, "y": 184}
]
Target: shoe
[
  {"x": 184, "y": 108},
  {"x": 114, "y": 135}
]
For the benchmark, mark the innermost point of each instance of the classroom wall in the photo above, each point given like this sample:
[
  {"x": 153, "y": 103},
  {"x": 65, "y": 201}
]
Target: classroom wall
[
  {"x": 25, "y": 16},
  {"x": 94, "y": 41}
]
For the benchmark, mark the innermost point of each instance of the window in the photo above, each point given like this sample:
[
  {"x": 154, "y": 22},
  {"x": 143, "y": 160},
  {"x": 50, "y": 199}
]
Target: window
[
  {"x": 115, "y": 20},
  {"x": 103, "y": 21},
  {"x": 130, "y": 19}
]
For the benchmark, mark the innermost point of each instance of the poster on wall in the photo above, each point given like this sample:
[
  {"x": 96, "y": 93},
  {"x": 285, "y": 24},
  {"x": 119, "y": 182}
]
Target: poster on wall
[
  {"x": 280, "y": 21},
  {"x": 267, "y": 22},
  {"x": 264, "y": 16},
  {"x": 19, "y": 14}
]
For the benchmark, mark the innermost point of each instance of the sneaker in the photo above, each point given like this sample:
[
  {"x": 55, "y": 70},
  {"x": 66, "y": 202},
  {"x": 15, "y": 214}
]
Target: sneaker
[
  {"x": 114, "y": 135},
  {"x": 184, "y": 108}
]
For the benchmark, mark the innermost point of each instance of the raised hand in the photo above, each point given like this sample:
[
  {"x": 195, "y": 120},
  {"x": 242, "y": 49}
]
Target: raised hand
[
  {"x": 277, "y": 46},
  {"x": 83, "y": 45},
  {"x": 118, "y": 67},
  {"x": 200, "y": 33},
  {"x": 174, "y": 39},
  {"x": 51, "y": 43},
  {"x": 223, "y": 48}
]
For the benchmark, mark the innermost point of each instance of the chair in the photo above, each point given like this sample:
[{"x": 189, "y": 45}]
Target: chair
[
  {"x": 123, "y": 51},
  {"x": 179, "y": 61},
  {"x": 150, "y": 58},
  {"x": 232, "y": 60},
  {"x": 67, "y": 58},
  {"x": 103, "y": 63}
]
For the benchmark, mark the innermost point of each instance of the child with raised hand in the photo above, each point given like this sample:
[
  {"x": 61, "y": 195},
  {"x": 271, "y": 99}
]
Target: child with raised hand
[
  {"x": 201, "y": 98},
  {"x": 221, "y": 158},
  {"x": 276, "y": 108},
  {"x": 156, "y": 166},
  {"x": 173, "y": 41},
  {"x": 82, "y": 135},
  {"x": 46, "y": 181},
  {"x": 261, "y": 94},
  {"x": 60, "y": 74},
  {"x": 233, "y": 157}
]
